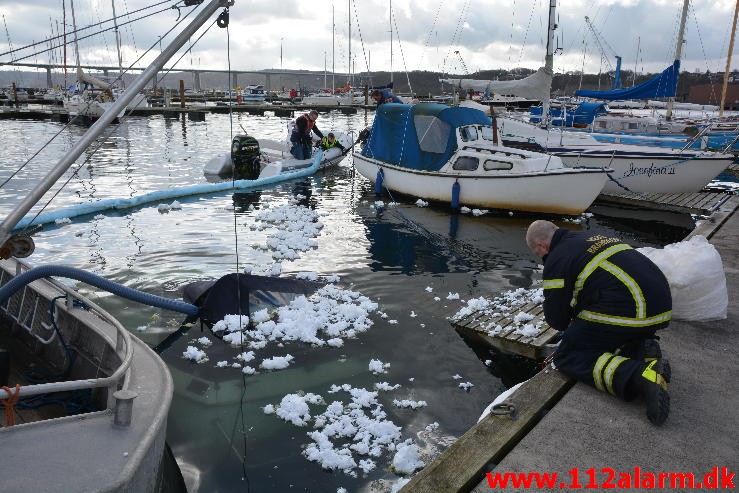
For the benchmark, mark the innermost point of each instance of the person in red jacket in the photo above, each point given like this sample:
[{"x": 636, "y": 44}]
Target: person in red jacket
[{"x": 301, "y": 139}]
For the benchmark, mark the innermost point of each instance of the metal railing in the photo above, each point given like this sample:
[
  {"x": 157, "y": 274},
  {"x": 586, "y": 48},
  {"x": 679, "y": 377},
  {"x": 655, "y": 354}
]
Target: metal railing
[{"x": 123, "y": 343}]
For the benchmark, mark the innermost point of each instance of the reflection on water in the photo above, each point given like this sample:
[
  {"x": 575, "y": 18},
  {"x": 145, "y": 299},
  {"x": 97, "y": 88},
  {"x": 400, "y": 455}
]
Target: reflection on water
[{"x": 217, "y": 429}]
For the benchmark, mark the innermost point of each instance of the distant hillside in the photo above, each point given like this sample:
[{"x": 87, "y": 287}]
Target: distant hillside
[{"x": 422, "y": 83}]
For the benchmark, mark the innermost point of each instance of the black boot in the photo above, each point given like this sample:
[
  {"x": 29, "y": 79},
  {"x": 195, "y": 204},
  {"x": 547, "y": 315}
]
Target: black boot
[{"x": 654, "y": 387}]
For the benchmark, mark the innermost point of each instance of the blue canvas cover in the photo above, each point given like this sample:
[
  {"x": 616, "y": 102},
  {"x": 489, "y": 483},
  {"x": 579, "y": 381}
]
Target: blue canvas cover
[
  {"x": 418, "y": 136},
  {"x": 663, "y": 85},
  {"x": 584, "y": 114}
]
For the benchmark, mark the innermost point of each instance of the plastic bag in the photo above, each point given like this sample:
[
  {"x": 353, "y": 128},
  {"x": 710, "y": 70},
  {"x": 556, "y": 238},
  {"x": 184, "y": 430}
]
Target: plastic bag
[{"x": 695, "y": 273}]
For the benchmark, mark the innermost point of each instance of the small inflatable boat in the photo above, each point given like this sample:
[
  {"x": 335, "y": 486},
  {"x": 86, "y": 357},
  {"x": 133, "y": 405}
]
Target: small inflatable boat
[{"x": 260, "y": 158}]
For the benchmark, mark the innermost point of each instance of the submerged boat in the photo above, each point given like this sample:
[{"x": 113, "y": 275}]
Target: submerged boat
[
  {"x": 59, "y": 347},
  {"x": 440, "y": 153}
]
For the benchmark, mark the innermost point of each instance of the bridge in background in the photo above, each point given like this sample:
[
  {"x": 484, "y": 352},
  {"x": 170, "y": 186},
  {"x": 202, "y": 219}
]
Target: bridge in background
[{"x": 106, "y": 70}]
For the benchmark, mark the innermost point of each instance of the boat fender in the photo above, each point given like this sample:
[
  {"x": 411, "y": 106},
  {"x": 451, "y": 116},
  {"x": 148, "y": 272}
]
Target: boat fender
[
  {"x": 456, "y": 188},
  {"x": 378, "y": 182}
]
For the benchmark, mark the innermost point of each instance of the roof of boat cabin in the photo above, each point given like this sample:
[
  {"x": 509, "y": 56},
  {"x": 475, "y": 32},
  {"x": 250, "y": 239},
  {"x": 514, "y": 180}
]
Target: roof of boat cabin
[{"x": 419, "y": 136}]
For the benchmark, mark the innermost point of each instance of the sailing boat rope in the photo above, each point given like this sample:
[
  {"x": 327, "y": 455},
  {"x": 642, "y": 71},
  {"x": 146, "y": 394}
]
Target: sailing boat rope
[
  {"x": 223, "y": 23},
  {"x": 402, "y": 55},
  {"x": 53, "y": 47},
  {"x": 100, "y": 140},
  {"x": 361, "y": 40}
]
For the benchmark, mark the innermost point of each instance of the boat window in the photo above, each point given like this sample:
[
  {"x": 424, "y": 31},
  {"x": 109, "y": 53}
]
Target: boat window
[
  {"x": 466, "y": 163},
  {"x": 491, "y": 165},
  {"x": 468, "y": 133},
  {"x": 432, "y": 133},
  {"x": 602, "y": 124},
  {"x": 633, "y": 126},
  {"x": 487, "y": 133}
]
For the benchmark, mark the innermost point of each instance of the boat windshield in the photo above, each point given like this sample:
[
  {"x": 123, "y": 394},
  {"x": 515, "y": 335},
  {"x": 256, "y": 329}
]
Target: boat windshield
[
  {"x": 468, "y": 133},
  {"x": 487, "y": 133}
]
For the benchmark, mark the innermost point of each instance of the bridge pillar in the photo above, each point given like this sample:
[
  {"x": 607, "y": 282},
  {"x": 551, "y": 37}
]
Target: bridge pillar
[
  {"x": 235, "y": 78},
  {"x": 49, "y": 85},
  {"x": 196, "y": 81},
  {"x": 268, "y": 82}
]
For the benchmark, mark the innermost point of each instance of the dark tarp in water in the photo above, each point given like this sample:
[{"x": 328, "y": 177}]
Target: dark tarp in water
[
  {"x": 419, "y": 136},
  {"x": 235, "y": 294}
]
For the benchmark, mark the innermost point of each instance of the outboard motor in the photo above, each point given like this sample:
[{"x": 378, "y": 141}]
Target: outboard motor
[{"x": 245, "y": 156}]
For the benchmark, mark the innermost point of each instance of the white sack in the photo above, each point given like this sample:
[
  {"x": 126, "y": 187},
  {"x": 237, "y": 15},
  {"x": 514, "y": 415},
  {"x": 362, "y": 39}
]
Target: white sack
[{"x": 696, "y": 276}]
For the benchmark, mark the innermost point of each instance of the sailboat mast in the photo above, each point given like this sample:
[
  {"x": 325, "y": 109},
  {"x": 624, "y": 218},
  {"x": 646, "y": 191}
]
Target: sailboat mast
[
  {"x": 333, "y": 50},
  {"x": 391, "y": 41},
  {"x": 549, "y": 58},
  {"x": 678, "y": 52},
  {"x": 74, "y": 27},
  {"x": 102, "y": 123},
  {"x": 728, "y": 62},
  {"x": 118, "y": 45},
  {"x": 349, "y": 71}
]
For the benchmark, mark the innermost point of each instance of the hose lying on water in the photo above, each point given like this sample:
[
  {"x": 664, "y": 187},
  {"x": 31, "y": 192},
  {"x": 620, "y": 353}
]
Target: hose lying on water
[{"x": 94, "y": 280}]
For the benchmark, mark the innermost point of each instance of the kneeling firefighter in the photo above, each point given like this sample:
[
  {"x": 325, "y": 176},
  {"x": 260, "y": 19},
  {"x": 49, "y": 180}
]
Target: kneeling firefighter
[{"x": 246, "y": 157}]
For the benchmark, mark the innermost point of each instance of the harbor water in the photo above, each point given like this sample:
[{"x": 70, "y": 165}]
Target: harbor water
[{"x": 419, "y": 264}]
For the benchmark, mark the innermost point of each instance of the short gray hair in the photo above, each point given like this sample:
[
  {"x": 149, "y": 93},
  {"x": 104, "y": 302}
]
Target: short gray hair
[
  {"x": 313, "y": 112},
  {"x": 540, "y": 231}
]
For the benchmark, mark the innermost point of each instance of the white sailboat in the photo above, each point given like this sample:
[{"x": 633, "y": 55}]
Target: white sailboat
[
  {"x": 636, "y": 168},
  {"x": 445, "y": 154}
]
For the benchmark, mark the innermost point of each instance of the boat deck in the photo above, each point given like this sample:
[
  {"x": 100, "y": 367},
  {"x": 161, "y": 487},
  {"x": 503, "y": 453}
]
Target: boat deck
[
  {"x": 691, "y": 202},
  {"x": 476, "y": 327},
  {"x": 24, "y": 414}
]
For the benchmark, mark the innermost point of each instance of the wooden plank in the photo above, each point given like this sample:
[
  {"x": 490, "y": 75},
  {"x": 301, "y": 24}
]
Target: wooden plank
[
  {"x": 462, "y": 465},
  {"x": 696, "y": 198},
  {"x": 682, "y": 199}
]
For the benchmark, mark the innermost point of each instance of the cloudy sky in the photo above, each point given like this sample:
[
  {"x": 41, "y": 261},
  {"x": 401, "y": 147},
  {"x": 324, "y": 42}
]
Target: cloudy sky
[{"x": 487, "y": 34}]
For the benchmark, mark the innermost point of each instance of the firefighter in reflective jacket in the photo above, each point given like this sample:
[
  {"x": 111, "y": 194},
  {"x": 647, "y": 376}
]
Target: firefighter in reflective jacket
[
  {"x": 329, "y": 141},
  {"x": 608, "y": 299}
]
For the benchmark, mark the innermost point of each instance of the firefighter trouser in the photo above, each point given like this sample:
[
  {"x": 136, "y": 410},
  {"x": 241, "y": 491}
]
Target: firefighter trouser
[{"x": 587, "y": 353}]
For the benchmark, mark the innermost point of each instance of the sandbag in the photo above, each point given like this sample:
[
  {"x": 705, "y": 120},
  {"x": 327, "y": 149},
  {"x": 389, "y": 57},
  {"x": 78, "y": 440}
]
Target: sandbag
[{"x": 695, "y": 273}]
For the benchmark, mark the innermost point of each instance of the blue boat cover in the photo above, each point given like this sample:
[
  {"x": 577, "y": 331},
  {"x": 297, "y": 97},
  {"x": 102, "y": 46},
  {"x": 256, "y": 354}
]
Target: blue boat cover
[
  {"x": 418, "y": 136},
  {"x": 663, "y": 85},
  {"x": 584, "y": 114}
]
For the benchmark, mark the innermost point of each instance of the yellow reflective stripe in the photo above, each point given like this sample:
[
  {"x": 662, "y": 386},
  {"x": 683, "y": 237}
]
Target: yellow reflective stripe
[
  {"x": 625, "y": 321},
  {"x": 610, "y": 371},
  {"x": 554, "y": 283},
  {"x": 598, "y": 370},
  {"x": 631, "y": 285},
  {"x": 653, "y": 376},
  {"x": 592, "y": 265}
]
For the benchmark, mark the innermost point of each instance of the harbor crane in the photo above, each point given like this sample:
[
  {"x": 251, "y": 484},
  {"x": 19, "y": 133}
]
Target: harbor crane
[{"x": 616, "y": 84}]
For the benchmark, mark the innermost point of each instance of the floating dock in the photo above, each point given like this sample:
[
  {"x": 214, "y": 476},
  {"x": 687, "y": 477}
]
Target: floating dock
[{"x": 587, "y": 438}]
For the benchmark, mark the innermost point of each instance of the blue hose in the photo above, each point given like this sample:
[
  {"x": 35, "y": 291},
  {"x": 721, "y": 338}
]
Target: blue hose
[{"x": 94, "y": 280}]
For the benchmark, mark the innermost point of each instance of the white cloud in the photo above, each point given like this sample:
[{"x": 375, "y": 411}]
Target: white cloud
[{"x": 491, "y": 34}]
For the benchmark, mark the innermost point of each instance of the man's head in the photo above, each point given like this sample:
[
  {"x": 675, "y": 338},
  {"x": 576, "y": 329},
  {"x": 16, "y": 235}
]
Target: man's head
[
  {"x": 313, "y": 115},
  {"x": 331, "y": 137},
  {"x": 376, "y": 95},
  {"x": 539, "y": 236}
]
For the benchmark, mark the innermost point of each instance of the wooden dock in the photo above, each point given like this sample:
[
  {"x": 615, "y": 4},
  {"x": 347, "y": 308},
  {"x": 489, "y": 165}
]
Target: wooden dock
[
  {"x": 193, "y": 112},
  {"x": 690, "y": 202},
  {"x": 477, "y": 327}
]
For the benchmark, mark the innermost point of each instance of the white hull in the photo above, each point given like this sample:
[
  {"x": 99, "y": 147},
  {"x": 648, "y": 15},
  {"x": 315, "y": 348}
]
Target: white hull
[
  {"x": 276, "y": 158},
  {"x": 639, "y": 168},
  {"x": 564, "y": 191},
  {"x": 651, "y": 173}
]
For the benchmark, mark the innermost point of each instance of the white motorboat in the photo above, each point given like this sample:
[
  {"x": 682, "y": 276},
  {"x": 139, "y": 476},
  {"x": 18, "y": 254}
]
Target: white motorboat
[
  {"x": 636, "y": 168},
  {"x": 274, "y": 158},
  {"x": 448, "y": 154}
]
